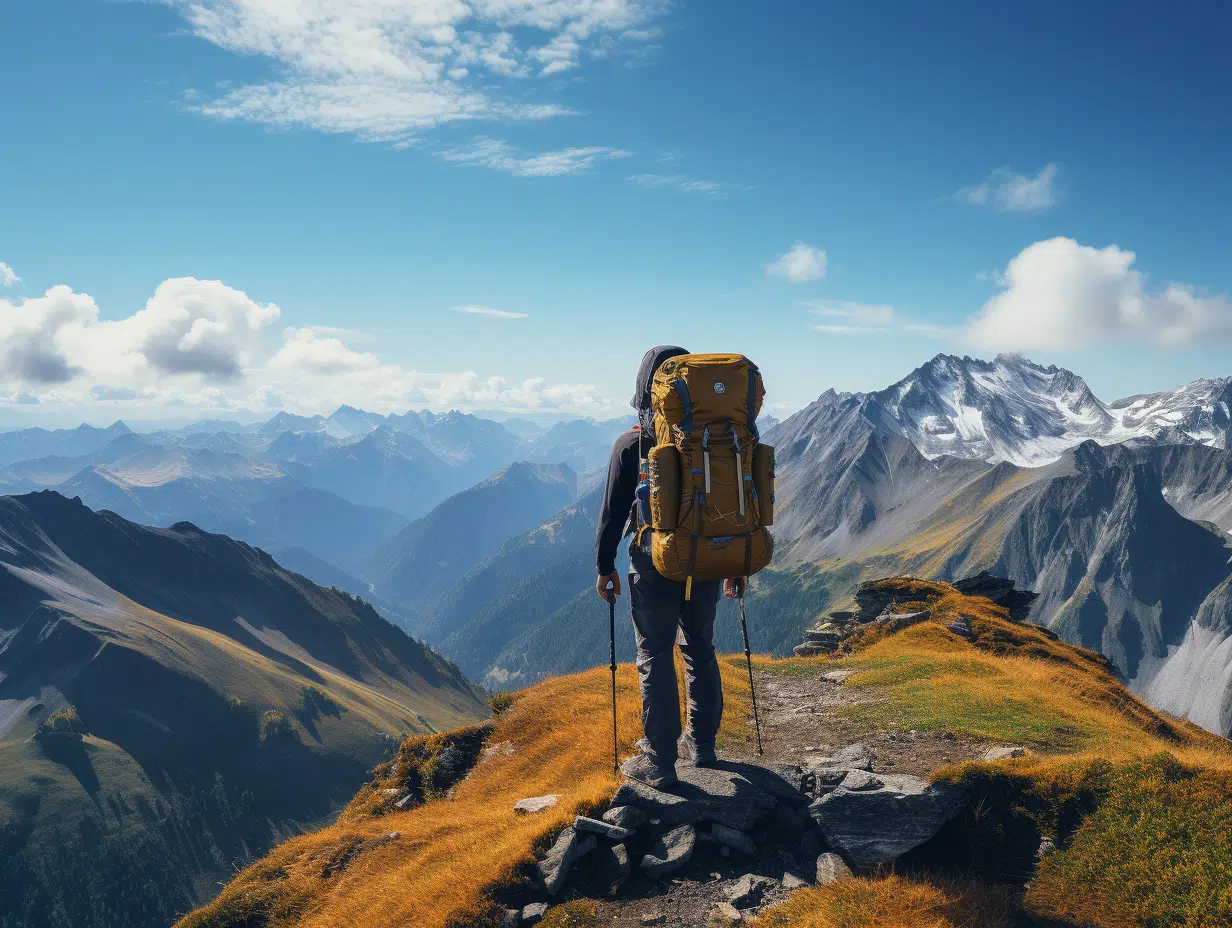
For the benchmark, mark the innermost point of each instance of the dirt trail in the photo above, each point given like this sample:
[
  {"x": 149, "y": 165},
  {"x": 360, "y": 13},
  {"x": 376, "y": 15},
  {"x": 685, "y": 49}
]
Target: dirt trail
[{"x": 799, "y": 721}]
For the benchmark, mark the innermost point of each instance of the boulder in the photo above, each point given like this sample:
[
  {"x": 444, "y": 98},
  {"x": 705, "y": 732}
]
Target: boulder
[
  {"x": 710, "y": 794},
  {"x": 736, "y": 840},
  {"x": 837, "y": 677},
  {"x": 813, "y": 648},
  {"x": 793, "y": 882},
  {"x": 611, "y": 864},
  {"x": 749, "y": 890},
  {"x": 533, "y": 914},
  {"x": 535, "y": 804},
  {"x": 605, "y": 829},
  {"x": 790, "y": 820},
  {"x": 670, "y": 852},
  {"x": 961, "y": 629},
  {"x": 860, "y": 780},
  {"x": 1004, "y": 753},
  {"x": 510, "y": 918},
  {"x": 628, "y": 817},
  {"x": 554, "y": 867},
  {"x": 878, "y": 825},
  {"x": 654, "y": 918},
  {"x": 831, "y": 869},
  {"x": 724, "y": 914}
]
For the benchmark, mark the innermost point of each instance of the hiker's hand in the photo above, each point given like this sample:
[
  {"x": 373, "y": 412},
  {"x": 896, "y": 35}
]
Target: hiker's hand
[
  {"x": 602, "y": 586},
  {"x": 733, "y": 587}
]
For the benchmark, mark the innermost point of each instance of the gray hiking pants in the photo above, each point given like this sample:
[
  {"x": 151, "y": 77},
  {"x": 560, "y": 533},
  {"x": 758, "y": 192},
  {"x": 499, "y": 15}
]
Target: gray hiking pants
[{"x": 661, "y": 617}]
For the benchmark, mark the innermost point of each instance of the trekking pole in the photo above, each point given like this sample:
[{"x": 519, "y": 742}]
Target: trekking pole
[
  {"x": 611, "y": 607},
  {"x": 748, "y": 660}
]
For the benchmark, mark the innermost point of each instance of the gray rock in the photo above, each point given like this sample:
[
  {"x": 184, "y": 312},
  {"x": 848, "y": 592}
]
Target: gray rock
[
  {"x": 837, "y": 677},
  {"x": 813, "y": 648},
  {"x": 596, "y": 827},
  {"x": 654, "y": 918},
  {"x": 533, "y": 913},
  {"x": 810, "y": 844},
  {"x": 782, "y": 781},
  {"x": 511, "y": 918},
  {"x": 554, "y": 867},
  {"x": 1005, "y": 753},
  {"x": 878, "y": 825},
  {"x": 831, "y": 869},
  {"x": 405, "y": 802},
  {"x": 961, "y": 629},
  {"x": 535, "y": 804},
  {"x": 724, "y": 914},
  {"x": 736, "y": 840},
  {"x": 625, "y": 817},
  {"x": 703, "y": 794},
  {"x": 790, "y": 820},
  {"x": 749, "y": 890},
  {"x": 793, "y": 882},
  {"x": 611, "y": 864},
  {"x": 861, "y": 780},
  {"x": 670, "y": 852}
]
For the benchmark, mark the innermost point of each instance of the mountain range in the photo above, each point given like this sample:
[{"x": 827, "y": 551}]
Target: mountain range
[
  {"x": 163, "y": 693},
  {"x": 324, "y": 491},
  {"x": 1116, "y": 514}
]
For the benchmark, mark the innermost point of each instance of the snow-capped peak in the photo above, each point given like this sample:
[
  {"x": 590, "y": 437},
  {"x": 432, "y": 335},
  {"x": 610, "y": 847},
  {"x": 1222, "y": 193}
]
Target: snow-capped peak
[{"x": 1012, "y": 409}]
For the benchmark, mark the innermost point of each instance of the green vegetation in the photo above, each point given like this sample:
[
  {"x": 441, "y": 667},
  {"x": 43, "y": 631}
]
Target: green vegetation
[
  {"x": 1157, "y": 850},
  {"x": 425, "y": 768},
  {"x": 579, "y": 913}
]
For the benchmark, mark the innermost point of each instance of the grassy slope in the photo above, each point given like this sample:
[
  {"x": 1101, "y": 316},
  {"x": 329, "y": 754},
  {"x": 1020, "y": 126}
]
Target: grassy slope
[{"x": 1097, "y": 784}]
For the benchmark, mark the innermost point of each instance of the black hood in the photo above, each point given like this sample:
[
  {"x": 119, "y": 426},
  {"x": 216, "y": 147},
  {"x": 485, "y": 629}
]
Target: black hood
[{"x": 645, "y": 377}]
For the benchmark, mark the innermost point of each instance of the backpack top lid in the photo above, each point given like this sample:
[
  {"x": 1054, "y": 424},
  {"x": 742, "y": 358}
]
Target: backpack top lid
[{"x": 696, "y": 390}]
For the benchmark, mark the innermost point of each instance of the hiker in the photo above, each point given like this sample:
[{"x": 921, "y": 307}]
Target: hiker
[{"x": 660, "y": 611}]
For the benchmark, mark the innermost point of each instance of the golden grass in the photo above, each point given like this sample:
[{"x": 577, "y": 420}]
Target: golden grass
[
  {"x": 1133, "y": 798},
  {"x": 892, "y": 902},
  {"x": 451, "y": 852}
]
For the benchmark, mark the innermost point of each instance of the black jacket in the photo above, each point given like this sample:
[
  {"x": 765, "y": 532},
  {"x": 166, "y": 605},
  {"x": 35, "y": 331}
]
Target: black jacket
[{"x": 622, "y": 467}]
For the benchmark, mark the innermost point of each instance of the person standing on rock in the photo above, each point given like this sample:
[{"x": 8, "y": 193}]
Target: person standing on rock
[{"x": 661, "y": 611}]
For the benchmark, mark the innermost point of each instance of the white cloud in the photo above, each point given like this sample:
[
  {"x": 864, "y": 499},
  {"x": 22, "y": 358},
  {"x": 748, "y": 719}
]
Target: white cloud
[
  {"x": 385, "y": 69},
  {"x": 35, "y": 335},
  {"x": 8, "y": 276},
  {"x": 863, "y": 314},
  {"x": 1009, "y": 191},
  {"x": 473, "y": 310},
  {"x": 501, "y": 156},
  {"x": 202, "y": 344},
  {"x": 679, "y": 182},
  {"x": 800, "y": 263},
  {"x": 1059, "y": 295}
]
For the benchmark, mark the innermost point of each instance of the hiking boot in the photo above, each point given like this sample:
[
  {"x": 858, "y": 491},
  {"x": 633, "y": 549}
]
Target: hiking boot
[
  {"x": 701, "y": 753},
  {"x": 645, "y": 769}
]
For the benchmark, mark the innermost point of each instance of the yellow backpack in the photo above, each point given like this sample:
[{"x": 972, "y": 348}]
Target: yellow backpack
[{"x": 710, "y": 481}]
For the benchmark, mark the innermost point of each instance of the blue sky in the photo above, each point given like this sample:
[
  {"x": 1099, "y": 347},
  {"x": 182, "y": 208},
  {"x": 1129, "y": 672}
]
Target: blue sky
[{"x": 604, "y": 175}]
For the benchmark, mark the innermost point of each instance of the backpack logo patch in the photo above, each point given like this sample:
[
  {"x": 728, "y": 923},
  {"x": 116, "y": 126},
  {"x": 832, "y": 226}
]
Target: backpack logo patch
[{"x": 720, "y": 388}]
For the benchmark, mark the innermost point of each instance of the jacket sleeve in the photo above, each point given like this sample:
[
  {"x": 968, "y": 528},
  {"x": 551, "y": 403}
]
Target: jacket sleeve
[{"x": 617, "y": 501}]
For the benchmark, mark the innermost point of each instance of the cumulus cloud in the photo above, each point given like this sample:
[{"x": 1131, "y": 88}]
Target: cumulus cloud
[
  {"x": 202, "y": 344},
  {"x": 501, "y": 156},
  {"x": 799, "y": 264},
  {"x": 36, "y": 335},
  {"x": 385, "y": 69},
  {"x": 474, "y": 310},
  {"x": 8, "y": 276},
  {"x": 1059, "y": 295},
  {"x": 199, "y": 326},
  {"x": 1009, "y": 191}
]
